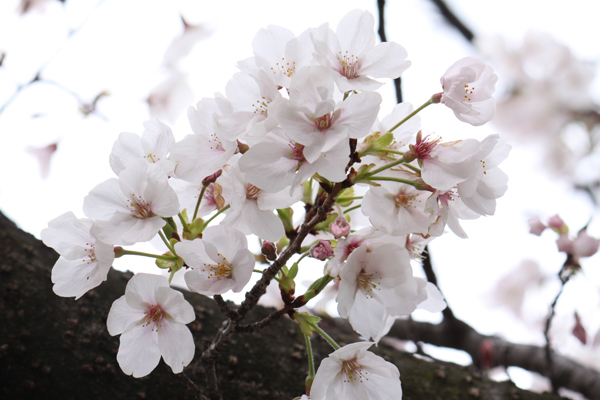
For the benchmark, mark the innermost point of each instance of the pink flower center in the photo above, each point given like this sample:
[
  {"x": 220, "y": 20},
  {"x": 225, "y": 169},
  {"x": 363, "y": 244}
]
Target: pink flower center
[
  {"x": 353, "y": 371},
  {"x": 154, "y": 316},
  {"x": 404, "y": 200},
  {"x": 367, "y": 283},
  {"x": 209, "y": 195},
  {"x": 324, "y": 122},
  {"x": 139, "y": 208},
  {"x": 444, "y": 198},
  {"x": 90, "y": 254},
  {"x": 252, "y": 192},
  {"x": 468, "y": 92},
  {"x": 220, "y": 270},
  {"x": 348, "y": 65},
  {"x": 422, "y": 149}
]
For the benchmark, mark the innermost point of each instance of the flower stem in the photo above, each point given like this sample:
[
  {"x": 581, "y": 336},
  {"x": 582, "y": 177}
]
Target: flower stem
[
  {"x": 344, "y": 199},
  {"x": 326, "y": 337},
  {"x": 347, "y": 210},
  {"x": 412, "y": 114},
  {"x": 387, "y": 166},
  {"x": 311, "y": 365},
  {"x": 198, "y": 202},
  {"x": 166, "y": 242},
  {"x": 215, "y": 216},
  {"x": 394, "y": 151},
  {"x": 139, "y": 253},
  {"x": 386, "y": 178}
]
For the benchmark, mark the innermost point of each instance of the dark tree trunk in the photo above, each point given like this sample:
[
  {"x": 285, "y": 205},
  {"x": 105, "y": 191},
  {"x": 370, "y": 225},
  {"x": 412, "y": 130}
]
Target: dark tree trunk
[{"x": 59, "y": 348}]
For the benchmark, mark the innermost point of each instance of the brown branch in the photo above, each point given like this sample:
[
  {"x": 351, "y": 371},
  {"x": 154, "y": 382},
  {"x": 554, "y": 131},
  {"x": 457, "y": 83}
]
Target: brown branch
[
  {"x": 456, "y": 334},
  {"x": 383, "y": 37},
  {"x": 257, "y": 326},
  {"x": 431, "y": 277},
  {"x": 453, "y": 20},
  {"x": 225, "y": 310}
]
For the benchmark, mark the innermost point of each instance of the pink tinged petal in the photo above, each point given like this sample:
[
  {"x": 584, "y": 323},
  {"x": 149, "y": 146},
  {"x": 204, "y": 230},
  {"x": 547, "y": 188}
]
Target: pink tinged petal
[
  {"x": 44, "y": 156},
  {"x": 198, "y": 156},
  {"x": 269, "y": 166},
  {"x": 367, "y": 316},
  {"x": 356, "y": 32},
  {"x": 73, "y": 278},
  {"x": 126, "y": 230},
  {"x": 263, "y": 223},
  {"x": 296, "y": 124},
  {"x": 173, "y": 303},
  {"x": 579, "y": 331},
  {"x": 324, "y": 376},
  {"x": 121, "y": 315},
  {"x": 359, "y": 112},
  {"x": 564, "y": 244},
  {"x": 161, "y": 197},
  {"x": 228, "y": 241},
  {"x": 138, "y": 352},
  {"x": 69, "y": 236},
  {"x": 201, "y": 283},
  {"x": 242, "y": 268},
  {"x": 105, "y": 200},
  {"x": 193, "y": 252},
  {"x": 157, "y": 139},
  {"x": 126, "y": 148},
  {"x": 386, "y": 60},
  {"x": 536, "y": 226},
  {"x": 141, "y": 290},
  {"x": 585, "y": 245},
  {"x": 176, "y": 344},
  {"x": 435, "y": 301}
]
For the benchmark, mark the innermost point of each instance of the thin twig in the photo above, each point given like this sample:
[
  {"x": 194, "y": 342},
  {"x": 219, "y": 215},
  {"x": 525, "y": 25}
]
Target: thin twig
[
  {"x": 431, "y": 277},
  {"x": 453, "y": 20},
  {"x": 257, "y": 326},
  {"x": 224, "y": 307},
  {"x": 383, "y": 37}
]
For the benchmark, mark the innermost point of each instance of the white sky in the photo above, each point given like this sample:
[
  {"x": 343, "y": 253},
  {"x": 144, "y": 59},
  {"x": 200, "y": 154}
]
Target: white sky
[{"x": 121, "y": 47}]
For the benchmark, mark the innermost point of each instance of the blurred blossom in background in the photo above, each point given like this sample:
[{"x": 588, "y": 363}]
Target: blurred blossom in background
[{"x": 75, "y": 74}]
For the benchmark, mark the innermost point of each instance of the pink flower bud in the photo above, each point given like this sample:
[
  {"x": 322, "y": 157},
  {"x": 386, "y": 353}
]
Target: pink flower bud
[
  {"x": 564, "y": 244},
  {"x": 269, "y": 250},
  {"x": 211, "y": 178},
  {"x": 340, "y": 227},
  {"x": 558, "y": 225},
  {"x": 585, "y": 245},
  {"x": 322, "y": 250},
  {"x": 536, "y": 226}
]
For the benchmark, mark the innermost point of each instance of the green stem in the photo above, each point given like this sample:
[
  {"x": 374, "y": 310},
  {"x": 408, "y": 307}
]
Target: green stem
[
  {"x": 412, "y": 114},
  {"x": 311, "y": 361},
  {"x": 166, "y": 242},
  {"x": 198, "y": 202},
  {"x": 347, "y": 210},
  {"x": 172, "y": 275},
  {"x": 386, "y": 178},
  {"x": 387, "y": 166},
  {"x": 139, "y": 253},
  {"x": 214, "y": 216},
  {"x": 260, "y": 271},
  {"x": 182, "y": 220},
  {"x": 326, "y": 337},
  {"x": 417, "y": 170},
  {"x": 394, "y": 152}
]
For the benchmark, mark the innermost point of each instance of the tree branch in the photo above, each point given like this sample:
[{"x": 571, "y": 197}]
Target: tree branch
[
  {"x": 453, "y": 20},
  {"x": 383, "y": 37}
]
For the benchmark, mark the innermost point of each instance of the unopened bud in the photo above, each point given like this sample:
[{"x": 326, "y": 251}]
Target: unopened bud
[
  {"x": 340, "y": 227},
  {"x": 437, "y": 98},
  {"x": 119, "y": 252},
  {"x": 322, "y": 250},
  {"x": 536, "y": 226},
  {"x": 211, "y": 178},
  {"x": 242, "y": 147},
  {"x": 558, "y": 225},
  {"x": 269, "y": 250}
]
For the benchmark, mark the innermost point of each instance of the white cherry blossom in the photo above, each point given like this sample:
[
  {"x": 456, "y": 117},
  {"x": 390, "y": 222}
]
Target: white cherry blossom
[
  {"x": 468, "y": 87},
  {"x": 352, "y": 55},
  {"x": 131, "y": 209},
  {"x": 153, "y": 146},
  {"x": 353, "y": 373},
  {"x": 84, "y": 261},
  {"x": 151, "y": 320},
  {"x": 220, "y": 261}
]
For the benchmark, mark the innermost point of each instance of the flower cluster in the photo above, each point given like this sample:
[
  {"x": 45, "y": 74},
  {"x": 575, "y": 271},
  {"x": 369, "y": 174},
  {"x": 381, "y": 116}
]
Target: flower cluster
[{"x": 299, "y": 122}]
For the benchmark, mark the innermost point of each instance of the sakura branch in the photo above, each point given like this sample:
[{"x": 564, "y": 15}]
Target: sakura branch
[{"x": 297, "y": 131}]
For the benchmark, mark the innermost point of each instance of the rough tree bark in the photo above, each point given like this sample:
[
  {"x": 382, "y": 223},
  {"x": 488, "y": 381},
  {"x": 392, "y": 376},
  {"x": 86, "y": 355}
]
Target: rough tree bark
[{"x": 59, "y": 348}]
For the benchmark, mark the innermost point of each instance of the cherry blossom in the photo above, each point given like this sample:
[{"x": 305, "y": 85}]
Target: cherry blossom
[
  {"x": 131, "y": 209},
  {"x": 353, "y": 373},
  {"x": 352, "y": 56},
  {"x": 468, "y": 87},
  {"x": 151, "y": 320},
  {"x": 220, "y": 261},
  {"x": 397, "y": 208},
  {"x": 153, "y": 146},
  {"x": 84, "y": 261}
]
